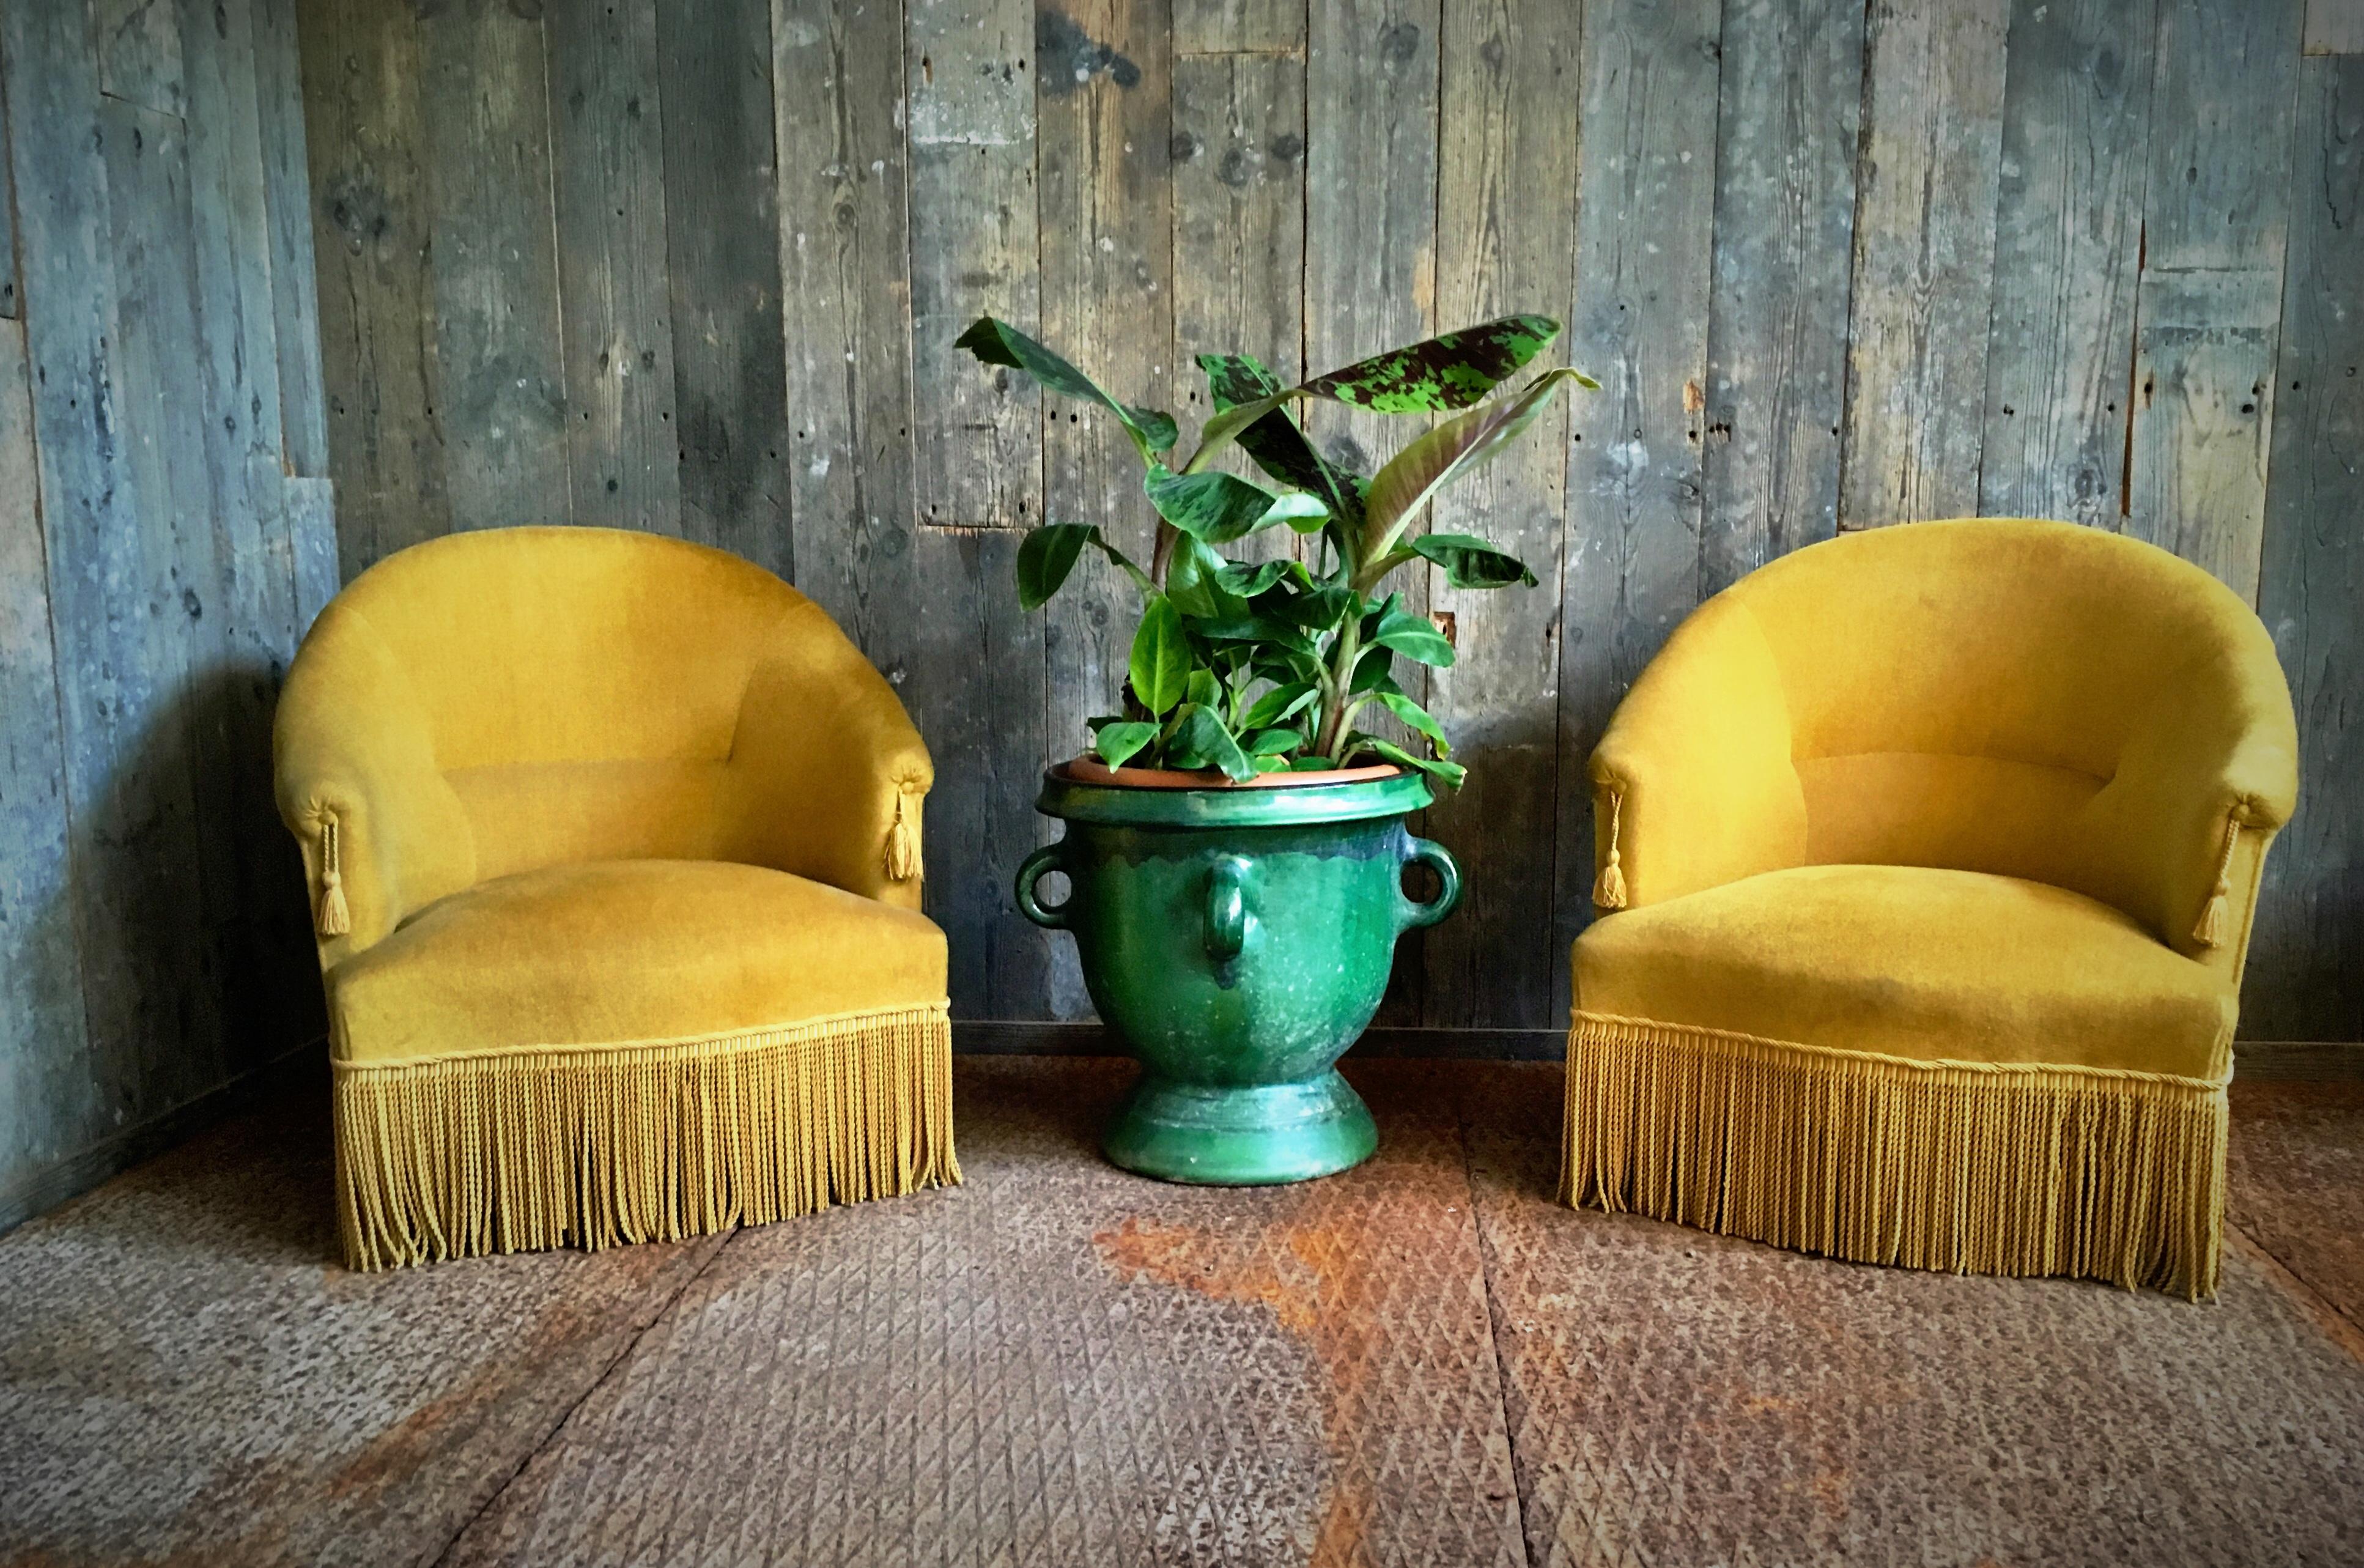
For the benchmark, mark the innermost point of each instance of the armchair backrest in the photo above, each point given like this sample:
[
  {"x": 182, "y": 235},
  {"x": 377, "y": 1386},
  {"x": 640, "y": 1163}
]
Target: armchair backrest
[
  {"x": 580, "y": 689},
  {"x": 2034, "y": 700}
]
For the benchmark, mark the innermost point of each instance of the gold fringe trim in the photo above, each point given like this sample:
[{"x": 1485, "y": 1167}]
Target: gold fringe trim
[
  {"x": 524, "y": 1151},
  {"x": 1609, "y": 892},
  {"x": 902, "y": 842},
  {"x": 335, "y": 919},
  {"x": 2210, "y": 931},
  {"x": 1968, "y": 1167}
]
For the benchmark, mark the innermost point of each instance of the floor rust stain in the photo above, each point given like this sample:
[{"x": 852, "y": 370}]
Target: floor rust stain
[{"x": 1314, "y": 1287}]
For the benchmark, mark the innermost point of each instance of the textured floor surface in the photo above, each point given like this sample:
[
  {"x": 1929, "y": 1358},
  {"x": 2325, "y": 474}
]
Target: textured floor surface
[{"x": 1423, "y": 1362}]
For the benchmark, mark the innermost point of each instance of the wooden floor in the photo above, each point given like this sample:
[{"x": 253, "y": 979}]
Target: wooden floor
[{"x": 1425, "y": 1362}]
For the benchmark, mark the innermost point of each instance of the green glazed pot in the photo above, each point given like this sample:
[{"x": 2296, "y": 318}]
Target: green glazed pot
[{"x": 1239, "y": 940}]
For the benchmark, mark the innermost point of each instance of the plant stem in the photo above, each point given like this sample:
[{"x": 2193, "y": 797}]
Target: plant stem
[{"x": 1334, "y": 701}]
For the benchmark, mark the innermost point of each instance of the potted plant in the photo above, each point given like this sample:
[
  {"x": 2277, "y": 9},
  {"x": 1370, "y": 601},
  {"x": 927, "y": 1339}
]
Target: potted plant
[{"x": 1235, "y": 839}]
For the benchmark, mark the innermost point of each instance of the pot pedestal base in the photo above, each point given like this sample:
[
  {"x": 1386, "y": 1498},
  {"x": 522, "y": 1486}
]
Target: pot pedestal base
[{"x": 1248, "y": 1135}]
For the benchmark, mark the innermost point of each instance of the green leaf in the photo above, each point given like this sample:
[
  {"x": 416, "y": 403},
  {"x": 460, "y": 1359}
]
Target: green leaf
[
  {"x": 1275, "y": 442},
  {"x": 1415, "y": 717},
  {"x": 1270, "y": 764},
  {"x": 1414, "y": 476},
  {"x": 1452, "y": 371},
  {"x": 998, "y": 342},
  {"x": 1323, "y": 609},
  {"x": 1273, "y": 743},
  {"x": 1214, "y": 507},
  {"x": 1310, "y": 765},
  {"x": 1283, "y": 701},
  {"x": 1374, "y": 670},
  {"x": 1247, "y": 582},
  {"x": 1449, "y": 774},
  {"x": 1409, "y": 634},
  {"x": 1161, "y": 656},
  {"x": 1045, "y": 557},
  {"x": 1201, "y": 741},
  {"x": 1203, "y": 688},
  {"x": 1471, "y": 562},
  {"x": 1303, "y": 513},
  {"x": 1121, "y": 741},
  {"x": 1194, "y": 580}
]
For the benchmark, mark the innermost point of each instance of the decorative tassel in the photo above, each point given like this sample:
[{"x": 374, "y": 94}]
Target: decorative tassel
[
  {"x": 335, "y": 920},
  {"x": 2210, "y": 932},
  {"x": 902, "y": 842},
  {"x": 1609, "y": 891}
]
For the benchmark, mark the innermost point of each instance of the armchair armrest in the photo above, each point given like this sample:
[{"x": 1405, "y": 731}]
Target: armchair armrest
[
  {"x": 2178, "y": 837},
  {"x": 354, "y": 772},
  {"x": 835, "y": 772},
  {"x": 1693, "y": 782}
]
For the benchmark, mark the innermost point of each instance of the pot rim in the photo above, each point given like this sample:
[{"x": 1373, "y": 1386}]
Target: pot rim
[
  {"x": 1348, "y": 795},
  {"x": 1085, "y": 770}
]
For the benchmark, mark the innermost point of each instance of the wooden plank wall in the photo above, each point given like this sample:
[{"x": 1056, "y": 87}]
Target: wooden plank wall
[
  {"x": 695, "y": 266},
  {"x": 164, "y": 539}
]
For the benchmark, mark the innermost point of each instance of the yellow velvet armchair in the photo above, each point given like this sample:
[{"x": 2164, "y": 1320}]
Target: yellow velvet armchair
[
  {"x": 614, "y": 843},
  {"x": 1933, "y": 853}
]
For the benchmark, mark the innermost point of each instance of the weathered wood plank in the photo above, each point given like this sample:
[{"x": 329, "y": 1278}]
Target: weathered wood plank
[
  {"x": 312, "y": 528},
  {"x": 130, "y": 818},
  {"x": 1238, "y": 160},
  {"x": 1788, "y": 126},
  {"x": 1370, "y": 261},
  {"x": 295, "y": 288},
  {"x": 1506, "y": 242},
  {"x": 979, "y": 670},
  {"x": 1104, "y": 126},
  {"x": 8, "y": 294},
  {"x": 2335, "y": 27},
  {"x": 499, "y": 398},
  {"x": 1239, "y": 27},
  {"x": 2215, "y": 213},
  {"x": 1371, "y": 223},
  {"x": 365, "y": 142},
  {"x": 607, "y": 154},
  {"x": 844, "y": 294},
  {"x": 46, "y": 1099},
  {"x": 268, "y": 958},
  {"x": 139, "y": 53},
  {"x": 2306, "y": 963},
  {"x": 180, "y": 930},
  {"x": 1925, "y": 232},
  {"x": 722, "y": 260},
  {"x": 2076, "y": 134},
  {"x": 1239, "y": 215},
  {"x": 971, "y": 95},
  {"x": 1646, "y": 202}
]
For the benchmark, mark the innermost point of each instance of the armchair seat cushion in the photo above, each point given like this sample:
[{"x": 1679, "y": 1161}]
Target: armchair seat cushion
[
  {"x": 1914, "y": 962},
  {"x": 625, "y": 952}
]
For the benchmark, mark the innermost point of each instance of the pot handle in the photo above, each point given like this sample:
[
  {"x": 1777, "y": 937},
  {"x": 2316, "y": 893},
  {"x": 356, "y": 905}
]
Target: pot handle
[
  {"x": 1410, "y": 915},
  {"x": 1041, "y": 863},
  {"x": 1227, "y": 908}
]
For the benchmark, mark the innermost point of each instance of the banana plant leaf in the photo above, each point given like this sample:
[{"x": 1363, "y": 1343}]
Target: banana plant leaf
[
  {"x": 1414, "y": 476},
  {"x": 1047, "y": 555},
  {"x": 1212, "y": 505},
  {"x": 1449, "y": 774},
  {"x": 1450, "y": 371},
  {"x": 1392, "y": 626},
  {"x": 1160, "y": 666},
  {"x": 1121, "y": 741},
  {"x": 1471, "y": 562},
  {"x": 1200, "y": 740},
  {"x": 1273, "y": 442},
  {"x": 997, "y": 342}
]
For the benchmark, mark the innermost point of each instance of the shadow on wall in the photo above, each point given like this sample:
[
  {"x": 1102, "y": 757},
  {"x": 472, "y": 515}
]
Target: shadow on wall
[{"x": 191, "y": 909}]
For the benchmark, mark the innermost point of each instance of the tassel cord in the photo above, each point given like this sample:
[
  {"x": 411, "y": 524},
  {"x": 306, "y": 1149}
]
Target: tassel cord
[
  {"x": 1609, "y": 891},
  {"x": 334, "y": 918},
  {"x": 2214, "y": 914}
]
